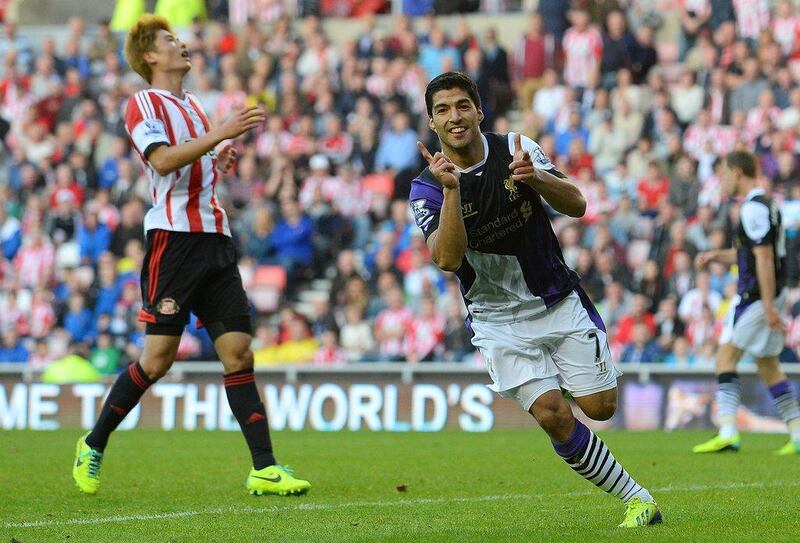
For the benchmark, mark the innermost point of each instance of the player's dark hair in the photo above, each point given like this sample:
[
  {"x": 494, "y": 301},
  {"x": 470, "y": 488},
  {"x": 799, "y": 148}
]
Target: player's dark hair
[
  {"x": 744, "y": 160},
  {"x": 451, "y": 80}
]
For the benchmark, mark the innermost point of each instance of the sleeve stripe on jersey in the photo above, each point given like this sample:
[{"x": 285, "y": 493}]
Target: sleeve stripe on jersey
[
  {"x": 142, "y": 109},
  {"x": 165, "y": 118},
  {"x": 145, "y": 105}
]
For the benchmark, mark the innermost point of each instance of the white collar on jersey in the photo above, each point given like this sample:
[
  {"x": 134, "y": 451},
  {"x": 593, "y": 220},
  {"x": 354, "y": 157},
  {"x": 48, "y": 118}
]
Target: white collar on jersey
[
  {"x": 757, "y": 191},
  {"x": 482, "y": 162},
  {"x": 167, "y": 93}
]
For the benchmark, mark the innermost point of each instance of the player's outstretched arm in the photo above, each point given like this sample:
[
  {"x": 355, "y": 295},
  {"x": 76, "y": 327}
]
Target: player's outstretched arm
[
  {"x": 723, "y": 256},
  {"x": 562, "y": 195},
  {"x": 168, "y": 158},
  {"x": 449, "y": 242}
]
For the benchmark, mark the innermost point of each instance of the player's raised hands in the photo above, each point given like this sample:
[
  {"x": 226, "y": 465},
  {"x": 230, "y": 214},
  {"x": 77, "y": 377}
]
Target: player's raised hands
[
  {"x": 226, "y": 158},
  {"x": 440, "y": 166},
  {"x": 522, "y": 166},
  {"x": 243, "y": 120}
]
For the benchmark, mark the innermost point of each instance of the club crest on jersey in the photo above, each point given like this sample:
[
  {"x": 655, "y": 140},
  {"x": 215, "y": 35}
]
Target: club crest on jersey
[
  {"x": 168, "y": 306},
  {"x": 511, "y": 187}
]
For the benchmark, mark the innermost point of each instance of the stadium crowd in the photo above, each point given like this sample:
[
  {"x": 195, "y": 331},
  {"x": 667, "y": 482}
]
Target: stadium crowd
[{"x": 321, "y": 190}]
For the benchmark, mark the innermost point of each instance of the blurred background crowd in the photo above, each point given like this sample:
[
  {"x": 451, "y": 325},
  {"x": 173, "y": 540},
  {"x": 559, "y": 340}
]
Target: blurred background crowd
[{"x": 635, "y": 100}]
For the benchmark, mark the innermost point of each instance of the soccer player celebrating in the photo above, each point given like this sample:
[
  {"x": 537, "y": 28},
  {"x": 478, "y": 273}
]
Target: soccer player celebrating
[
  {"x": 479, "y": 204},
  {"x": 754, "y": 323},
  {"x": 190, "y": 265}
]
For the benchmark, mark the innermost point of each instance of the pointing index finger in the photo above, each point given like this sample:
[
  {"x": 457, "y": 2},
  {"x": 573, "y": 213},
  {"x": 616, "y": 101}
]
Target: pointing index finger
[
  {"x": 517, "y": 142},
  {"x": 425, "y": 153}
]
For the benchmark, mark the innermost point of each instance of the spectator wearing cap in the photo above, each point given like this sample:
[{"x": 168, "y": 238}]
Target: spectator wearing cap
[{"x": 318, "y": 181}]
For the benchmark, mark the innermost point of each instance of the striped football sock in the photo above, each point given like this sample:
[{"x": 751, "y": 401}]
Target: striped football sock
[
  {"x": 786, "y": 401},
  {"x": 729, "y": 394},
  {"x": 124, "y": 395},
  {"x": 246, "y": 406},
  {"x": 589, "y": 457}
]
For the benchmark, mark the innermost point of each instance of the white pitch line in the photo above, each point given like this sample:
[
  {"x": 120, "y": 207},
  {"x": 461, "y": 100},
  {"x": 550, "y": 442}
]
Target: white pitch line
[{"x": 384, "y": 503}]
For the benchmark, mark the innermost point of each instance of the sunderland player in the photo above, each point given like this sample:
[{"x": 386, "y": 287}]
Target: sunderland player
[
  {"x": 190, "y": 264},
  {"x": 479, "y": 204},
  {"x": 754, "y": 324}
]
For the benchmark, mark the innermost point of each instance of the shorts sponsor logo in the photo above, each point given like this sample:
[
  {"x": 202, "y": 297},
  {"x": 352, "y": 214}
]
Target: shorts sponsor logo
[{"x": 168, "y": 306}]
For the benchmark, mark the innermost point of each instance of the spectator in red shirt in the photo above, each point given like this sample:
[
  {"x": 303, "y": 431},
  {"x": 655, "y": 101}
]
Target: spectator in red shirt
[
  {"x": 652, "y": 189},
  {"x": 638, "y": 313},
  {"x": 535, "y": 53}
]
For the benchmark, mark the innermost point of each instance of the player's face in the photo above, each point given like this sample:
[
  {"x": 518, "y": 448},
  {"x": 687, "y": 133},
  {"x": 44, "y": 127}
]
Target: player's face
[
  {"x": 455, "y": 118},
  {"x": 170, "y": 53}
]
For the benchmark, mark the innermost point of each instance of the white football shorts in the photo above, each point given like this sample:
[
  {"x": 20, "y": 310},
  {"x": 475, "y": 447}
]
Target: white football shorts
[
  {"x": 562, "y": 347},
  {"x": 747, "y": 329}
]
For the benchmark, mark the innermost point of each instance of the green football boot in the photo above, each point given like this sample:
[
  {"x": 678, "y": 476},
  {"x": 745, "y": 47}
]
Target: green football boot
[
  {"x": 639, "y": 513},
  {"x": 719, "y": 444},
  {"x": 791, "y": 447},
  {"x": 275, "y": 479},
  {"x": 86, "y": 468}
]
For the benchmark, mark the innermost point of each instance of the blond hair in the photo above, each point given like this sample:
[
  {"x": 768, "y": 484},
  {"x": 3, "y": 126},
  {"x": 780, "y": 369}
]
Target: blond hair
[{"x": 141, "y": 39}]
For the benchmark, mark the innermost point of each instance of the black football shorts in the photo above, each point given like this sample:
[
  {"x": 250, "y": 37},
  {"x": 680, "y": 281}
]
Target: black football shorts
[{"x": 190, "y": 272}]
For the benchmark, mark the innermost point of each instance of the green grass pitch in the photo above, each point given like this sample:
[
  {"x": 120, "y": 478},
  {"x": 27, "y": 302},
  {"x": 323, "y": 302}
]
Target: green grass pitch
[{"x": 498, "y": 486}]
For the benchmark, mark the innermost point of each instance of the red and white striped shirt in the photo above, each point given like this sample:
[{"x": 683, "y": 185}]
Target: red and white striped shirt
[
  {"x": 583, "y": 51},
  {"x": 696, "y": 137},
  {"x": 752, "y": 16},
  {"x": 184, "y": 200},
  {"x": 34, "y": 264},
  {"x": 787, "y": 33},
  {"x": 755, "y": 123}
]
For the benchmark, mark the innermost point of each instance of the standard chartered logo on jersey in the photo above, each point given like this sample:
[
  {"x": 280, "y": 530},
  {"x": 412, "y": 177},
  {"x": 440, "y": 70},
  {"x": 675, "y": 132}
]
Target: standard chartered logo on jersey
[{"x": 502, "y": 226}]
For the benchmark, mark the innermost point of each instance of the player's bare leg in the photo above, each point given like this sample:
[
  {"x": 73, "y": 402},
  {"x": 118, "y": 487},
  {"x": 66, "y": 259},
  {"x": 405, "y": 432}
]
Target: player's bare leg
[
  {"x": 267, "y": 476},
  {"x": 600, "y": 405},
  {"x": 588, "y": 455},
  {"x": 729, "y": 395},
  {"x": 785, "y": 398},
  {"x": 157, "y": 357}
]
